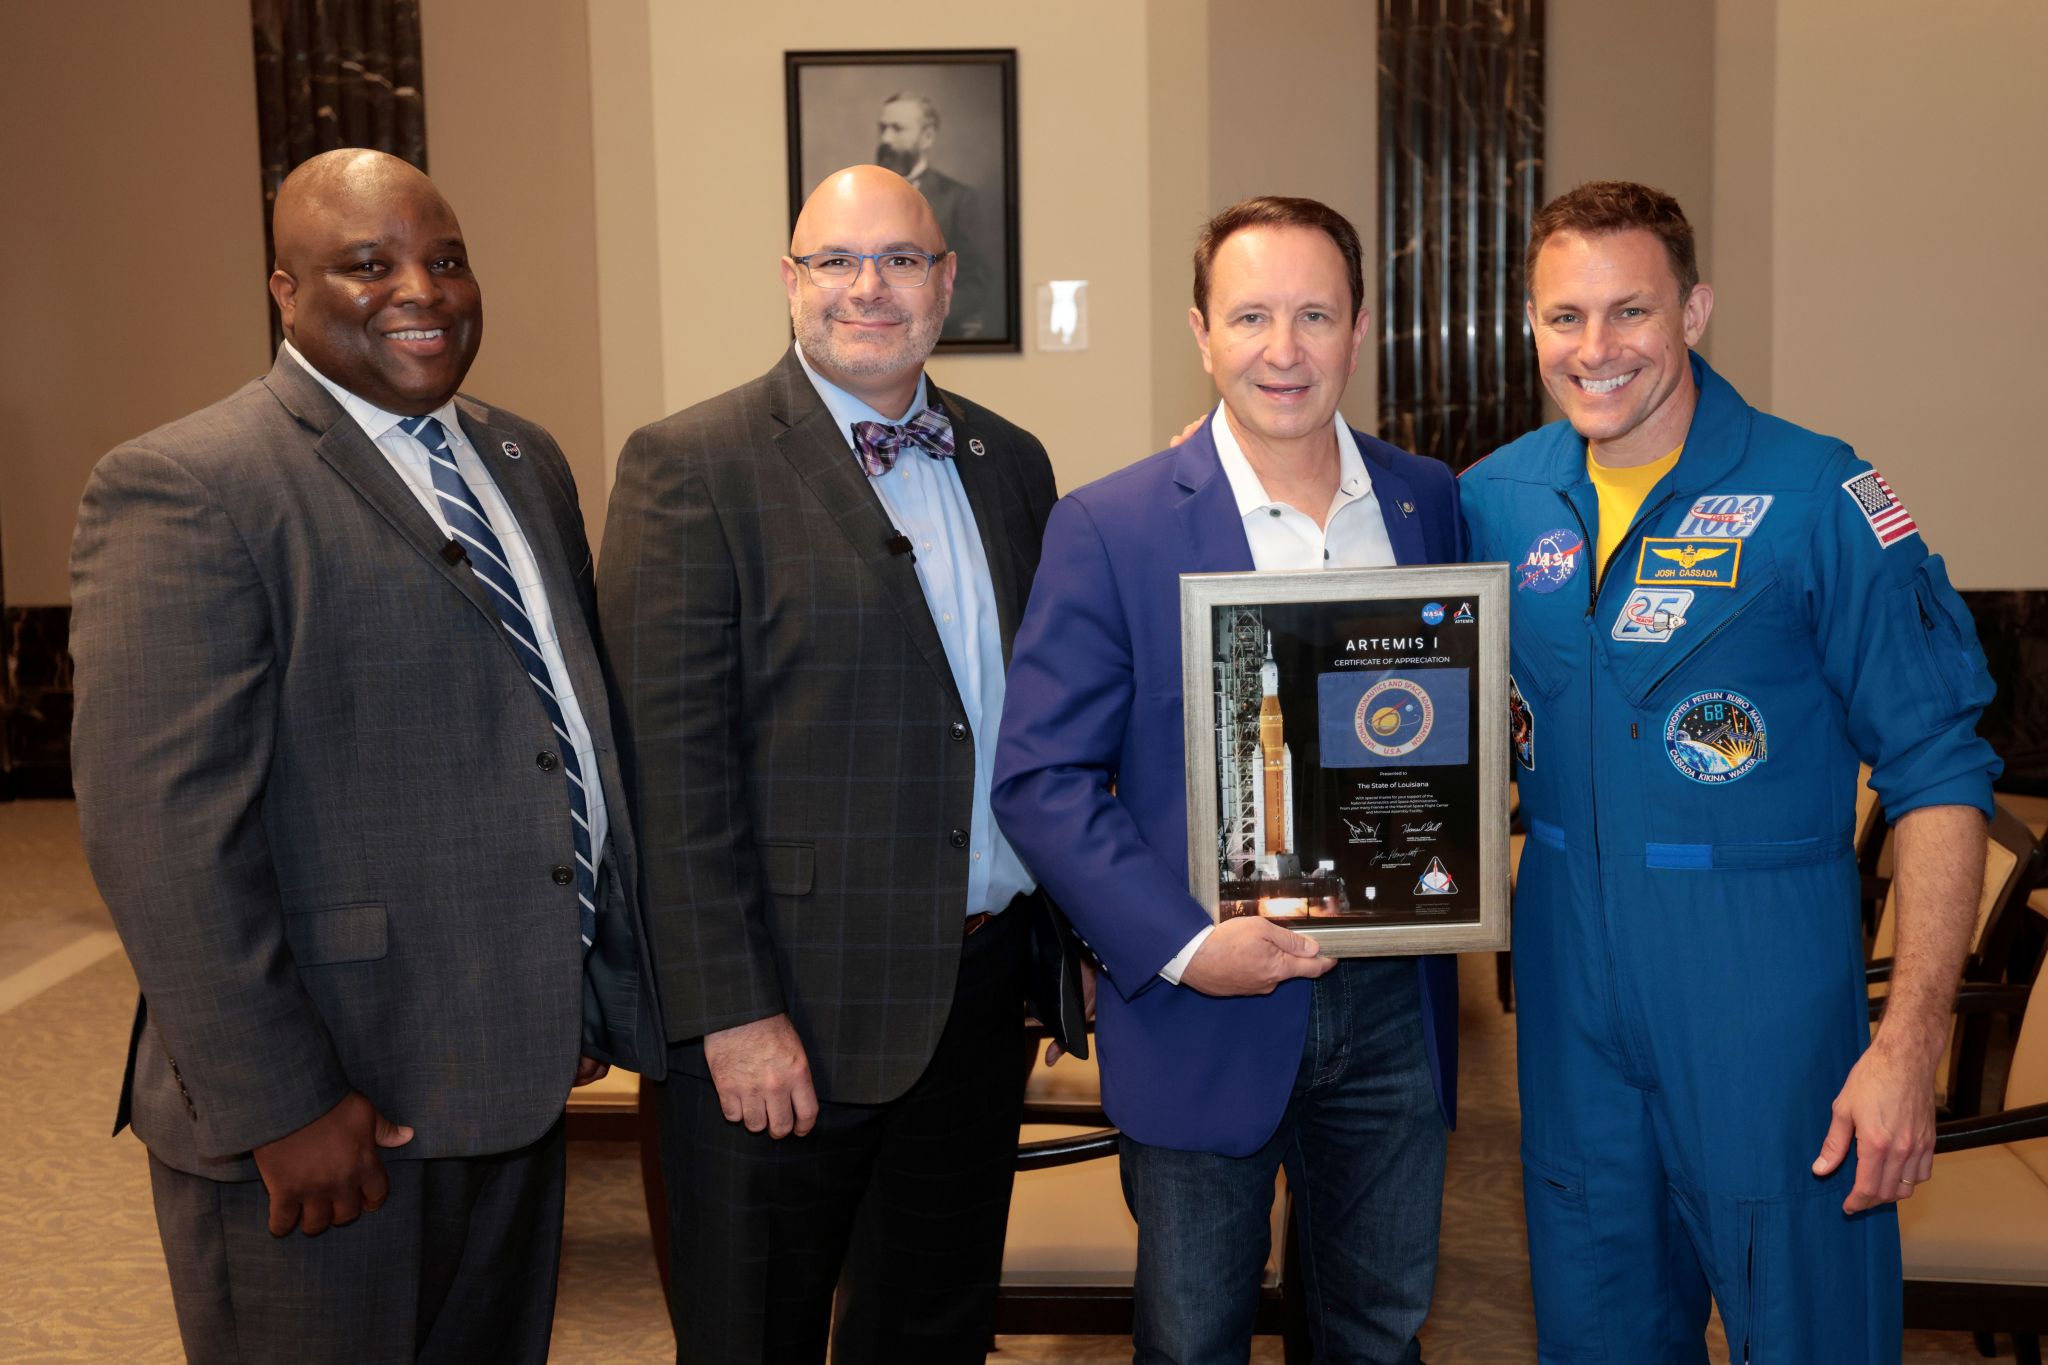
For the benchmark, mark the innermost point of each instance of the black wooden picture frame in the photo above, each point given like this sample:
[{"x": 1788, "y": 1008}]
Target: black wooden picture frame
[{"x": 947, "y": 118}]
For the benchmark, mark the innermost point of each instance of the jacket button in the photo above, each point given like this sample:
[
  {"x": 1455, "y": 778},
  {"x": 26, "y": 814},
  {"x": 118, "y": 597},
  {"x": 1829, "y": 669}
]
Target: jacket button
[
  {"x": 563, "y": 874},
  {"x": 547, "y": 761},
  {"x": 957, "y": 838},
  {"x": 958, "y": 729}
]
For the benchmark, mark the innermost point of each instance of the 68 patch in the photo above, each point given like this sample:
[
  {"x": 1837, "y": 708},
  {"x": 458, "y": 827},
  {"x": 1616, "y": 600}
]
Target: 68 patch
[{"x": 1715, "y": 736}]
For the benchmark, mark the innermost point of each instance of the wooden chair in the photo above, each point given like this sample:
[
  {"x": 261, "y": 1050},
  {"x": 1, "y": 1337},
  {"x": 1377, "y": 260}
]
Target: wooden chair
[
  {"x": 1869, "y": 834},
  {"x": 620, "y": 1108},
  {"x": 1975, "y": 1237},
  {"x": 2011, "y": 862},
  {"x": 1071, "y": 1251}
]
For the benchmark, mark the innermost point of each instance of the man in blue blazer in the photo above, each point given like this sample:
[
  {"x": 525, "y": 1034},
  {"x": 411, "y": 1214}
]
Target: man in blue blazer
[{"x": 1230, "y": 1050}]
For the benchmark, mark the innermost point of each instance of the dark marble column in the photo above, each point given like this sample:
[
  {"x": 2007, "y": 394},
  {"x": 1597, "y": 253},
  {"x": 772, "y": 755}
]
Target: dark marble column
[
  {"x": 35, "y": 702},
  {"x": 2013, "y": 628},
  {"x": 1461, "y": 175},
  {"x": 335, "y": 73}
]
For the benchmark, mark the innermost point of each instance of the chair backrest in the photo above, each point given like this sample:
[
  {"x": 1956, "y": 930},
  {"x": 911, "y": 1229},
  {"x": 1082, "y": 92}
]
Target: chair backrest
[
  {"x": 1869, "y": 818},
  {"x": 2008, "y": 852},
  {"x": 2027, "y": 1081}
]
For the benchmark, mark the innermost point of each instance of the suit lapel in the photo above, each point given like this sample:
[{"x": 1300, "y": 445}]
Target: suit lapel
[
  {"x": 984, "y": 475},
  {"x": 820, "y": 456},
  {"x": 533, "y": 501},
  {"x": 342, "y": 445},
  {"x": 1208, "y": 511},
  {"x": 1397, "y": 509}
]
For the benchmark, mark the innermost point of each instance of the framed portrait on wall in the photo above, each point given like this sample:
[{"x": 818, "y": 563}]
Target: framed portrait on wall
[{"x": 946, "y": 120}]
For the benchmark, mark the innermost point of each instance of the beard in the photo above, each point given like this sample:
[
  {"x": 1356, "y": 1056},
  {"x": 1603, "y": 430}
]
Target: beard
[
  {"x": 905, "y": 350},
  {"x": 889, "y": 159}
]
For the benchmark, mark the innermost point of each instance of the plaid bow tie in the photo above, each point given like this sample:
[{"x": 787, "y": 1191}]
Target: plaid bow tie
[{"x": 879, "y": 443}]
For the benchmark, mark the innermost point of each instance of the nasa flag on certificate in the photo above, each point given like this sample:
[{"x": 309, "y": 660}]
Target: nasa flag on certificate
[{"x": 1400, "y": 718}]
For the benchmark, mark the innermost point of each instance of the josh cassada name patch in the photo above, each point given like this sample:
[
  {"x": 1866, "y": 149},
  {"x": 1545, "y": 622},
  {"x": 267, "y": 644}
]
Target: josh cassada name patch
[{"x": 1677, "y": 562}]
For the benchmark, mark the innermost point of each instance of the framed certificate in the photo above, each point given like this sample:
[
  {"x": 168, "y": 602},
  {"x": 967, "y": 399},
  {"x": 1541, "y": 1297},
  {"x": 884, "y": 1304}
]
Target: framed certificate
[{"x": 1347, "y": 744}]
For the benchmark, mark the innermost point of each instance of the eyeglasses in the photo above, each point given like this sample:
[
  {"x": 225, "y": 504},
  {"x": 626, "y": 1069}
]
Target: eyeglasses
[{"x": 838, "y": 269}]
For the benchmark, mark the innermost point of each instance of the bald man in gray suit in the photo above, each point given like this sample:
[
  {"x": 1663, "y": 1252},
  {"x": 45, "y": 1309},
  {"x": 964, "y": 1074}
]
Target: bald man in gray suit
[{"x": 346, "y": 776}]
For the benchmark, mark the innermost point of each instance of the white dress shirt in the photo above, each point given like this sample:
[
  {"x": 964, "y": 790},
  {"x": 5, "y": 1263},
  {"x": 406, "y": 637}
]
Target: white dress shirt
[
  {"x": 408, "y": 458},
  {"x": 1354, "y": 536}
]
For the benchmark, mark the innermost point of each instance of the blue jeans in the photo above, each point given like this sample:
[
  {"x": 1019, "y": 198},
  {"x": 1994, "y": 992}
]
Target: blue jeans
[{"x": 1363, "y": 1144}]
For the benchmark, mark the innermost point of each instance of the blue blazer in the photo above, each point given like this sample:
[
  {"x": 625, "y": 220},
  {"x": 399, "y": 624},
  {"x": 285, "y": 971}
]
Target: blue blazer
[{"x": 1090, "y": 787}]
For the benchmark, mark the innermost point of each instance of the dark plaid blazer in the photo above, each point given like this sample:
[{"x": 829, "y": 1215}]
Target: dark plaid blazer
[
  {"x": 306, "y": 766},
  {"x": 797, "y": 753}
]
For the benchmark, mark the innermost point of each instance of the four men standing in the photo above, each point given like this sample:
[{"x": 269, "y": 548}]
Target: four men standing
[{"x": 349, "y": 783}]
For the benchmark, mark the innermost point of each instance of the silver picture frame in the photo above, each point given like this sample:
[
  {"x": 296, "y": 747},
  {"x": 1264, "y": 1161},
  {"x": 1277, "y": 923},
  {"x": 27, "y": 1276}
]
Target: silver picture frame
[{"x": 1438, "y": 752}]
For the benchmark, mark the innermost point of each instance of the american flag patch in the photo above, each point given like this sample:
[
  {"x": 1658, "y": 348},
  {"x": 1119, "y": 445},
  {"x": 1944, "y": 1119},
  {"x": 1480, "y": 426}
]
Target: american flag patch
[{"x": 1889, "y": 520}]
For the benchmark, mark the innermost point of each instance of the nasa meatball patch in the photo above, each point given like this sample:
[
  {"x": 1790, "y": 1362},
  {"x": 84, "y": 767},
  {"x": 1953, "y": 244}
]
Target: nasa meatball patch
[{"x": 1553, "y": 558}]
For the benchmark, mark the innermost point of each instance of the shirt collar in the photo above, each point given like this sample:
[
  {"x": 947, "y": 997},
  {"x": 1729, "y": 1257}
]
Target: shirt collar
[
  {"x": 847, "y": 409},
  {"x": 375, "y": 422},
  {"x": 1353, "y": 482}
]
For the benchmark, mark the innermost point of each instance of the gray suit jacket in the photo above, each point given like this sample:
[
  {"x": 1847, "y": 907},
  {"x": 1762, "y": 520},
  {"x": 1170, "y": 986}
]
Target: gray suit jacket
[
  {"x": 796, "y": 746},
  {"x": 306, "y": 766}
]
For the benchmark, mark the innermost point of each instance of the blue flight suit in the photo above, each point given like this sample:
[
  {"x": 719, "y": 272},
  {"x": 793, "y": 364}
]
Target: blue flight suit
[{"x": 1688, "y": 952}]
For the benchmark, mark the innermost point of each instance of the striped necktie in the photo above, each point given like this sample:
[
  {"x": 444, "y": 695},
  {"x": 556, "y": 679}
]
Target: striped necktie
[{"x": 466, "y": 520}]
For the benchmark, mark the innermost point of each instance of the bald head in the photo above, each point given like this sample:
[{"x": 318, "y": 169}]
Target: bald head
[
  {"x": 860, "y": 197},
  {"x": 332, "y": 180},
  {"x": 868, "y": 336},
  {"x": 372, "y": 280}
]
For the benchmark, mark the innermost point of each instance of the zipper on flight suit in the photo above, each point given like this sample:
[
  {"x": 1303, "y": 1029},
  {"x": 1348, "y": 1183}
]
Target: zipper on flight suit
[{"x": 1634, "y": 1051}]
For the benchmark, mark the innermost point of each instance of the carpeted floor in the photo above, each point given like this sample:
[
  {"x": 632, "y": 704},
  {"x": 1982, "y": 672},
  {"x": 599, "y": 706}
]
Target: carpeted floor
[{"x": 85, "y": 1278}]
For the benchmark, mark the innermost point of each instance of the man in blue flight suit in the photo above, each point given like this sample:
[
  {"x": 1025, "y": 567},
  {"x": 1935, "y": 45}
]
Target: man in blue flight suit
[{"x": 1715, "y": 615}]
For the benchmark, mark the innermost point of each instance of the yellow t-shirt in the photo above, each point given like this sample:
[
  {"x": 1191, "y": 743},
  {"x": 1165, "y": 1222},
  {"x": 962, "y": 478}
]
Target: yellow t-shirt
[{"x": 1621, "y": 496}]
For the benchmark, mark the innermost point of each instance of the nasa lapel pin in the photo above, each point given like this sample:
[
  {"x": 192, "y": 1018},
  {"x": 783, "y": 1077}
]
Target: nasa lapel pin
[
  {"x": 511, "y": 449},
  {"x": 974, "y": 444},
  {"x": 1407, "y": 508}
]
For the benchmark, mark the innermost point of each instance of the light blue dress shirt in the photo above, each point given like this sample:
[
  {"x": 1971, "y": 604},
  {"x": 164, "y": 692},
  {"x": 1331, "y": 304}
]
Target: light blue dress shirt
[{"x": 924, "y": 499}]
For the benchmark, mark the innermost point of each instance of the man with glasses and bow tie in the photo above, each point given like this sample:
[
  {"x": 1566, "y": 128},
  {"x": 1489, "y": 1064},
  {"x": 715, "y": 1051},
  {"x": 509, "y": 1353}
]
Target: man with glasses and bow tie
[
  {"x": 347, "y": 782},
  {"x": 810, "y": 586}
]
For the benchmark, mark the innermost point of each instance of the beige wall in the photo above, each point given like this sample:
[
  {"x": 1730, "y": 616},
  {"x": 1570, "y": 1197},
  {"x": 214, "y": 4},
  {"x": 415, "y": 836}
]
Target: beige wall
[
  {"x": 718, "y": 149},
  {"x": 133, "y": 243},
  {"x": 1294, "y": 109},
  {"x": 508, "y": 141},
  {"x": 1739, "y": 221},
  {"x": 1910, "y": 188},
  {"x": 1629, "y": 95},
  {"x": 601, "y": 152},
  {"x": 1123, "y": 151}
]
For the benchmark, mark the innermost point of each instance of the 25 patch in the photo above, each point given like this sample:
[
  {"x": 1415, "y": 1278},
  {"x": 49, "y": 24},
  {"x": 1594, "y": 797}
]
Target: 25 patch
[
  {"x": 1651, "y": 615},
  {"x": 1677, "y": 561},
  {"x": 1725, "y": 514}
]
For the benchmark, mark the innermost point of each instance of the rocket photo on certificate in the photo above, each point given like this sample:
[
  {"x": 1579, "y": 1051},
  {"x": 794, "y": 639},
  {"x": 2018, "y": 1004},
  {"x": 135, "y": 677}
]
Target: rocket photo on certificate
[{"x": 1347, "y": 744}]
